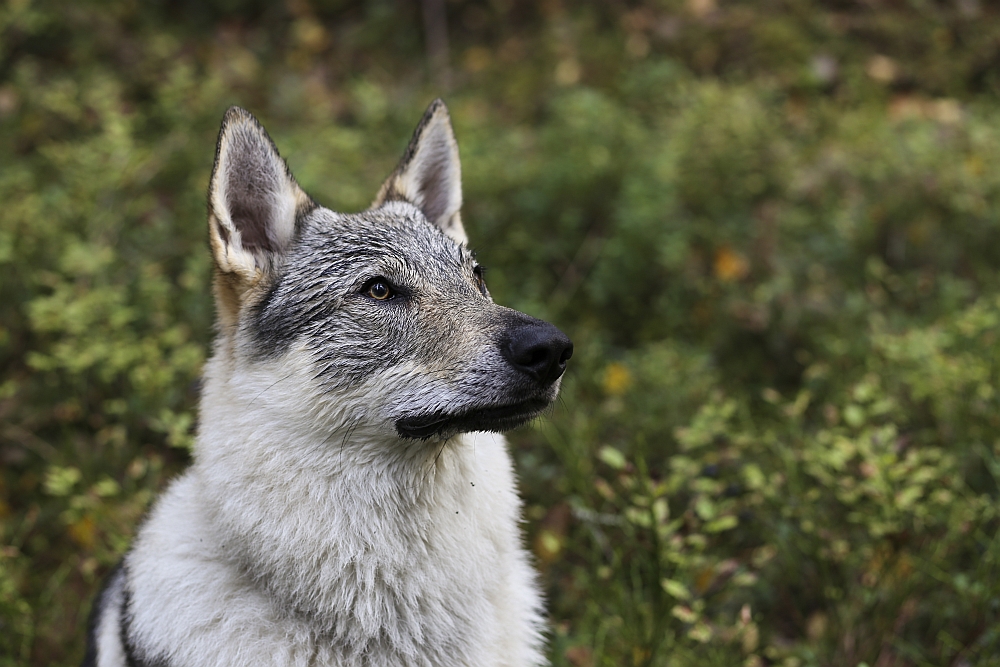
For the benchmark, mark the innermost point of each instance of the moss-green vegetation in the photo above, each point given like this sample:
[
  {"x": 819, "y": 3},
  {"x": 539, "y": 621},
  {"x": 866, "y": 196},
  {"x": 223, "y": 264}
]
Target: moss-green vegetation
[{"x": 772, "y": 228}]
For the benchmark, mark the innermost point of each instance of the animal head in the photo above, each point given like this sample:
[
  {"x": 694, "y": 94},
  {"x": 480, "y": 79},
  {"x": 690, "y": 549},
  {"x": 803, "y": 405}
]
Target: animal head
[{"x": 382, "y": 316}]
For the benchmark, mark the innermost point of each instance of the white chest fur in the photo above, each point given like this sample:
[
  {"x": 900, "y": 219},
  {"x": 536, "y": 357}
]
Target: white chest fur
[{"x": 280, "y": 564}]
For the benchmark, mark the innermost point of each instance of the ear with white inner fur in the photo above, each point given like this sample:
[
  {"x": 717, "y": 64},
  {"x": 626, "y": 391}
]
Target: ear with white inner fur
[
  {"x": 430, "y": 176},
  {"x": 253, "y": 199}
]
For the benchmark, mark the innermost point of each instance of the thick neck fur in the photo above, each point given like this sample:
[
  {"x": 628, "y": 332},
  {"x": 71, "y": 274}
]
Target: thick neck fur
[{"x": 383, "y": 543}]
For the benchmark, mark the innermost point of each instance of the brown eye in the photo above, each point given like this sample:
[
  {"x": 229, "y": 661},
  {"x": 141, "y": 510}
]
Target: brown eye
[{"x": 379, "y": 291}]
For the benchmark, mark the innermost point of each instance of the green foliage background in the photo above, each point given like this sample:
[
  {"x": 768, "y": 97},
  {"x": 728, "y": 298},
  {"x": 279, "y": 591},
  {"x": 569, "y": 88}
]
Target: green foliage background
[{"x": 772, "y": 228}]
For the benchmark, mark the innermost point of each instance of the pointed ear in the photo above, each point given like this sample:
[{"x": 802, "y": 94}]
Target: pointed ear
[
  {"x": 430, "y": 176},
  {"x": 252, "y": 198}
]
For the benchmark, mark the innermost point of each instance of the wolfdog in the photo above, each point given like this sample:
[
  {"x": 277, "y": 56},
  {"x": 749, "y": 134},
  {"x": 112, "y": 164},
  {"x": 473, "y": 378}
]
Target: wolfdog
[{"x": 350, "y": 501}]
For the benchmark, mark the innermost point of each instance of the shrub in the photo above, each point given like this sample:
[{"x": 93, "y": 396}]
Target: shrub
[{"x": 770, "y": 227}]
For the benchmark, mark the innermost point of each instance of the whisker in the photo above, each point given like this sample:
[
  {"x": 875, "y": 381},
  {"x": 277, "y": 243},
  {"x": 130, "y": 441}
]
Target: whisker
[
  {"x": 268, "y": 387},
  {"x": 347, "y": 434}
]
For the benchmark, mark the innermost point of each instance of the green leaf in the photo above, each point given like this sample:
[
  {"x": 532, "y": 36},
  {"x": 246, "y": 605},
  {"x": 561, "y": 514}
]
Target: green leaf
[
  {"x": 676, "y": 589},
  {"x": 612, "y": 457},
  {"x": 59, "y": 481},
  {"x": 721, "y": 524}
]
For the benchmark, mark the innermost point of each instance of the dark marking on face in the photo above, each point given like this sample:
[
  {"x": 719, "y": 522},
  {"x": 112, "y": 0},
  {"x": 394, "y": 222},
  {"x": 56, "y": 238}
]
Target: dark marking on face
[{"x": 318, "y": 297}]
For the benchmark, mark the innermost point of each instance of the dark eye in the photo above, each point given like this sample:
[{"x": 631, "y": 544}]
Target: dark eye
[
  {"x": 480, "y": 280},
  {"x": 379, "y": 290}
]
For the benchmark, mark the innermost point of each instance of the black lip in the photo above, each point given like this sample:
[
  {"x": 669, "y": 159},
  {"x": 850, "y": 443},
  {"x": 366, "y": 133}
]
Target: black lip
[{"x": 497, "y": 419}]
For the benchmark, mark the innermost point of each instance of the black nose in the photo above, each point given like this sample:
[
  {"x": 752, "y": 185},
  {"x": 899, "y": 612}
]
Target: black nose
[{"x": 539, "y": 349}]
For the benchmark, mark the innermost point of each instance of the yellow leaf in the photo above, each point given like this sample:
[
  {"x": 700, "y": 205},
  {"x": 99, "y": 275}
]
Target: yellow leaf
[
  {"x": 83, "y": 532},
  {"x": 547, "y": 546},
  {"x": 617, "y": 379},
  {"x": 729, "y": 265}
]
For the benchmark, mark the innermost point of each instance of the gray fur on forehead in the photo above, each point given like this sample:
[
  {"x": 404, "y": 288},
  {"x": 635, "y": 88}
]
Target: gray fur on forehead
[
  {"x": 399, "y": 244},
  {"x": 393, "y": 236},
  {"x": 332, "y": 257}
]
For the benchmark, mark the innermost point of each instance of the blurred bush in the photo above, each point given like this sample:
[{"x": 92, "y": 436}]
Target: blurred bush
[{"x": 770, "y": 227}]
